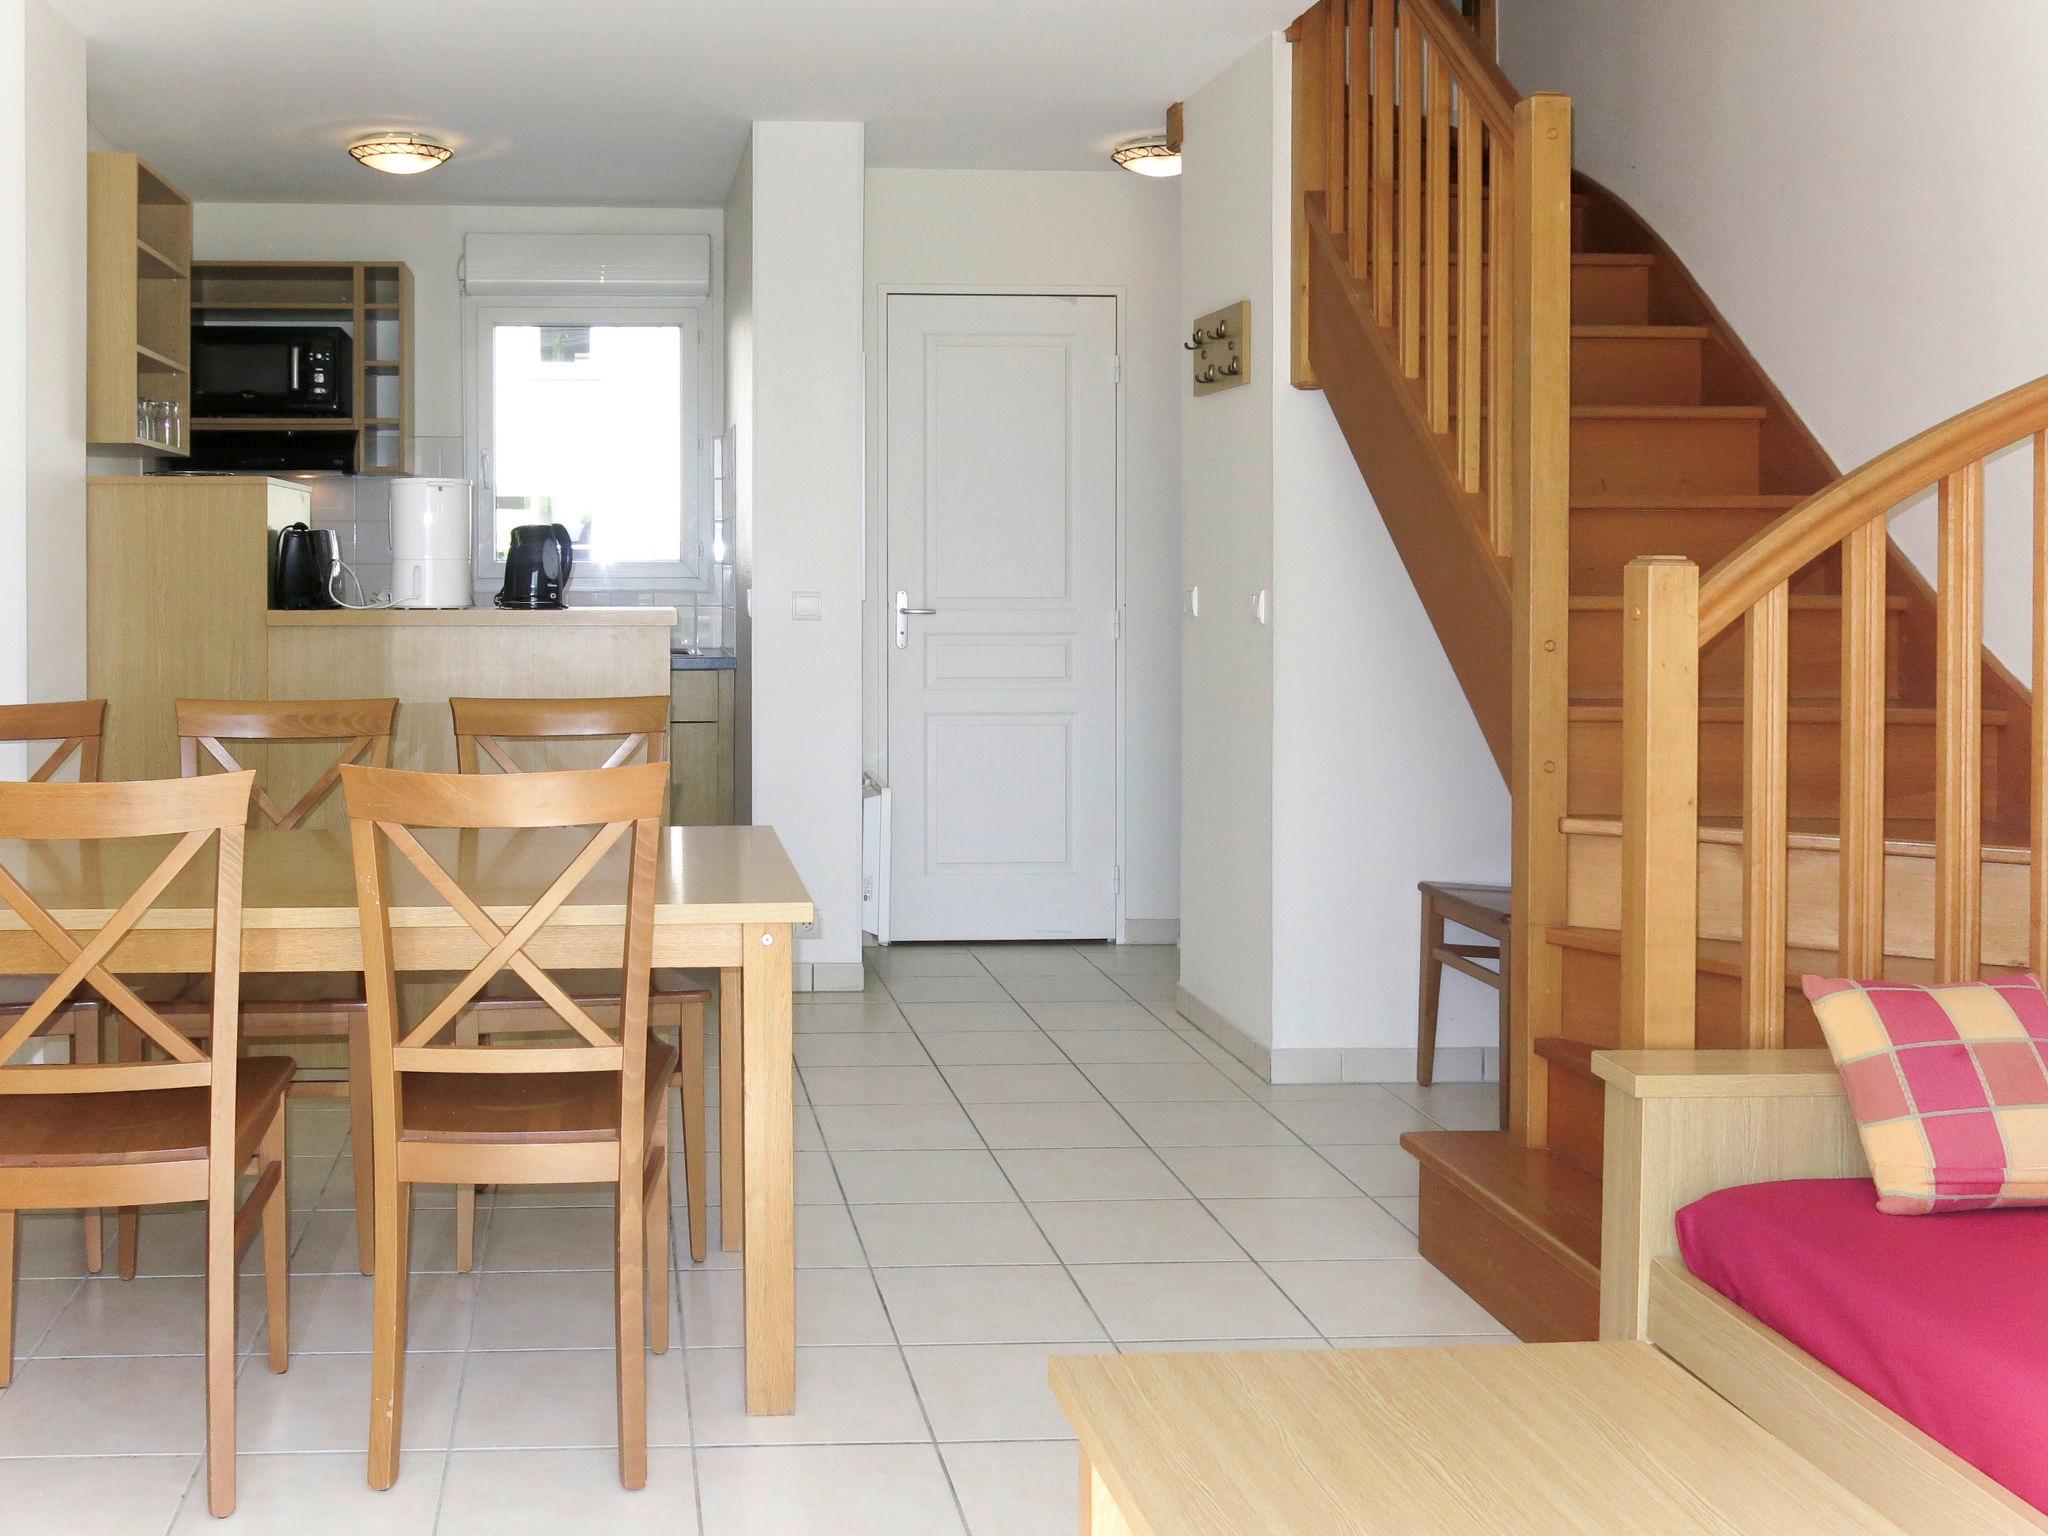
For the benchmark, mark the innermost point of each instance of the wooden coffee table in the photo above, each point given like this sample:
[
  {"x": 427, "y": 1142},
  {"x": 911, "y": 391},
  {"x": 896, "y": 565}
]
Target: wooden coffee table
[{"x": 1529, "y": 1439}]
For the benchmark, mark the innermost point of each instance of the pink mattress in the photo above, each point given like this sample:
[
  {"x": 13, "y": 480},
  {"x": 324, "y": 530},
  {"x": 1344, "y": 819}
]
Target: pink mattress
[{"x": 1943, "y": 1319}]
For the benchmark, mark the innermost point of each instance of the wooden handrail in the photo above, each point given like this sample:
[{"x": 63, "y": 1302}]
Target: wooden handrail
[{"x": 1826, "y": 518}]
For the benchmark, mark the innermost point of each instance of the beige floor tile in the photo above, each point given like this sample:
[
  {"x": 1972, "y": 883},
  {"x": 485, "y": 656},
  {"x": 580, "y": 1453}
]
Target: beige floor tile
[
  {"x": 992, "y": 1391},
  {"x": 112, "y": 1406},
  {"x": 556, "y": 1493},
  {"x": 833, "y": 1306},
  {"x": 1379, "y": 1170},
  {"x": 825, "y": 1239},
  {"x": 876, "y": 1085},
  {"x": 171, "y": 1240},
  {"x": 1351, "y": 1228},
  {"x": 893, "y": 1178},
  {"x": 1323, "y": 1123},
  {"x": 986, "y": 1305},
  {"x": 331, "y": 1313},
  {"x": 320, "y": 1495},
  {"x": 1190, "y": 1301},
  {"x": 1015, "y": 1490},
  {"x": 958, "y": 1018},
  {"x": 315, "y": 1129},
  {"x": 1378, "y": 1298},
  {"x": 1425, "y": 1341},
  {"x": 1020, "y": 1085},
  {"x": 1009, "y": 1126},
  {"x": 863, "y": 1017},
  {"x": 1092, "y": 1173},
  {"x": 1083, "y": 986},
  {"x": 922, "y": 1235},
  {"x": 1134, "y": 1231},
  {"x": 1253, "y": 1172},
  {"x": 51, "y": 1244},
  {"x": 564, "y": 1399},
  {"x": 566, "y": 1309},
  {"x": 1222, "y": 1123},
  {"x": 1007, "y": 960},
  {"x": 946, "y": 989},
  {"x": 847, "y": 1395},
  {"x": 550, "y": 1237},
  {"x": 895, "y": 1048},
  {"x": 323, "y": 1403},
  {"x": 1088, "y": 1047},
  {"x": 1135, "y": 959},
  {"x": 144, "y": 1316},
  {"x": 1121, "y": 1016},
  {"x": 1144, "y": 1083},
  {"x": 826, "y": 1491},
  {"x": 327, "y": 1246},
  {"x": 1407, "y": 1211},
  {"x": 37, "y": 1304},
  {"x": 889, "y": 1127},
  {"x": 902, "y": 960},
  {"x": 94, "y": 1496},
  {"x": 993, "y": 1048}
]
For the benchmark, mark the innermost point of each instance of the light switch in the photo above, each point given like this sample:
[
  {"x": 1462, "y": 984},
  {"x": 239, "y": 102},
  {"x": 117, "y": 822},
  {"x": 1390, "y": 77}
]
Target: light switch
[
  {"x": 1194, "y": 602},
  {"x": 1259, "y": 606},
  {"x": 808, "y": 606}
]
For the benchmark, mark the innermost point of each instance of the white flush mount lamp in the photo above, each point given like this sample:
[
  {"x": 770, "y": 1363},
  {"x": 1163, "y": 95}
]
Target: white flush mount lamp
[
  {"x": 1158, "y": 156},
  {"x": 400, "y": 154}
]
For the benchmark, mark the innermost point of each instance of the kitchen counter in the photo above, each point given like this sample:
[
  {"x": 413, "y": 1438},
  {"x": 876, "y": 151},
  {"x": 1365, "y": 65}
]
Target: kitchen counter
[
  {"x": 552, "y": 618},
  {"x": 702, "y": 661}
]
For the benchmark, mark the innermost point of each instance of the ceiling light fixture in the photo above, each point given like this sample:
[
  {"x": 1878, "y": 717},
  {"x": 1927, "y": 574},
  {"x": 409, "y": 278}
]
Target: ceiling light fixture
[
  {"x": 400, "y": 154},
  {"x": 1157, "y": 156}
]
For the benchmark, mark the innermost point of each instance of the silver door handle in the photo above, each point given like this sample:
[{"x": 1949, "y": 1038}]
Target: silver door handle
[{"x": 904, "y": 614}]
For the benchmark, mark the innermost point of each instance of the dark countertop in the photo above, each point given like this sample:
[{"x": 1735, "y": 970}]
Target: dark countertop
[{"x": 702, "y": 661}]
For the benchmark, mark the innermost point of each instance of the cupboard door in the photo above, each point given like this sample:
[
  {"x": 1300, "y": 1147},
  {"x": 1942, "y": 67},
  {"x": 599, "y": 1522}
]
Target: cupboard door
[
  {"x": 696, "y": 798},
  {"x": 694, "y": 696}
]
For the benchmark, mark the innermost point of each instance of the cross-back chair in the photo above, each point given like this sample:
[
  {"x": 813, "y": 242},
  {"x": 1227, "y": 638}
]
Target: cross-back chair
[
  {"x": 76, "y": 726},
  {"x": 147, "y": 1133},
  {"x": 291, "y": 1007},
  {"x": 444, "y": 1111},
  {"x": 486, "y": 731}
]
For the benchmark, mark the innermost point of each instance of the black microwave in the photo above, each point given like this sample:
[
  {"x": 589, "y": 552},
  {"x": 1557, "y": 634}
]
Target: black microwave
[{"x": 270, "y": 370}]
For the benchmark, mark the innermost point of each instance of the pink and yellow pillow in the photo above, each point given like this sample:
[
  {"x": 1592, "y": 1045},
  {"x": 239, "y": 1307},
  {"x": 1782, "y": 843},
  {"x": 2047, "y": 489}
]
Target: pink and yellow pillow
[{"x": 1949, "y": 1087}]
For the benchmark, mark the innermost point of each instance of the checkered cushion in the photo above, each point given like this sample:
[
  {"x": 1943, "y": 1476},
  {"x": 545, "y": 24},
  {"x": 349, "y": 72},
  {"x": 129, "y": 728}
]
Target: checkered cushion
[{"x": 1949, "y": 1086}]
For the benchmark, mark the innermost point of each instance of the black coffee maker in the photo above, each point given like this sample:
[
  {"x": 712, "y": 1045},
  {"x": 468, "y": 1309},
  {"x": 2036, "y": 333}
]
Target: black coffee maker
[{"x": 537, "y": 565}]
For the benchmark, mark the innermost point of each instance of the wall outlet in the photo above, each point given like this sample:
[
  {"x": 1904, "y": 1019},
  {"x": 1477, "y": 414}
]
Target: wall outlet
[{"x": 807, "y": 930}]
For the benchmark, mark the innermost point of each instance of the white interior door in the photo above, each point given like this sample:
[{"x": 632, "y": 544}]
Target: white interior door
[{"x": 1000, "y": 479}]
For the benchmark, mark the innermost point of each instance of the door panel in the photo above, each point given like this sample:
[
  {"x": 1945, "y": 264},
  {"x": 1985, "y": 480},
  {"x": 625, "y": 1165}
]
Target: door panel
[{"x": 1000, "y": 476}]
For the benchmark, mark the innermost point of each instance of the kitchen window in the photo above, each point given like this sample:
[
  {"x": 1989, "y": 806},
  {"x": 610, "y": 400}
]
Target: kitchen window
[{"x": 587, "y": 416}]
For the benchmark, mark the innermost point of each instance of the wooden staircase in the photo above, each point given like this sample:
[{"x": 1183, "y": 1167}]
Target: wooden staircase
[{"x": 1667, "y": 440}]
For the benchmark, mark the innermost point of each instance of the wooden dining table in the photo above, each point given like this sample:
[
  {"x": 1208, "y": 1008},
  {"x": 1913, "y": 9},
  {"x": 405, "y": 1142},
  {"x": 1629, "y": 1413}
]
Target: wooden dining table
[{"x": 727, "y": 900}]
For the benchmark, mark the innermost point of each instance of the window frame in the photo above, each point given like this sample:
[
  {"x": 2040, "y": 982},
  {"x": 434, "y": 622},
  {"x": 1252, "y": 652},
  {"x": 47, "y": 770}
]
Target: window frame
[{"x": 691, "y": 575}]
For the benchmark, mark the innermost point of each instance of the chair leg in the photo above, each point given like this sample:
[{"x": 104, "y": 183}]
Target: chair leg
[
  {"x": 657, "y": 1249},
  {"x": 220, "y": 1346},
  {"x": 128, "y": 1046},
  {"x": 631, "y": 1261},
  {"x": 360, "y": 1139},
  {"x": 9, "y": 1226},
  {"x": 690, "y": 1091},
  {"x": 387, "y": 1329},
  {"x": 1428, "y": 993},
  {"x": 277, "y": 1277},
  {"x": 466, "y": 1033},
  {"x": 85, "y": 1049}
]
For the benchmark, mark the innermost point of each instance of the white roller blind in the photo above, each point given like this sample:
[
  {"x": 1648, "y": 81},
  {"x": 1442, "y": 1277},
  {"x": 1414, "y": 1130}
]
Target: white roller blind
[{"x": 587, "y": 266}]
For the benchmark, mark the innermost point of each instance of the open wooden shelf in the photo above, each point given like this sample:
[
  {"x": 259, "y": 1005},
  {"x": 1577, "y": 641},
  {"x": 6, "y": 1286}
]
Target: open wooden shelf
[
  {"x": 151, "y": 262},
  {"x": 274, "y": 424},
  {"x": 138, "y": 299}
]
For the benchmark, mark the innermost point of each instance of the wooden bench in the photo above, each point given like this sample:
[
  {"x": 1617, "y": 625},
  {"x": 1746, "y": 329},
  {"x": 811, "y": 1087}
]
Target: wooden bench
[
  {"x": 1530, "y": 1439},
  {"x": 1485, "y": 910}
]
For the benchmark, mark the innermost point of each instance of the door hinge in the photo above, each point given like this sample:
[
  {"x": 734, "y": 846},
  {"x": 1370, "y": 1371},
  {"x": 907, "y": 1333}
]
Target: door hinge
[{"x": 1116, "y": 879}]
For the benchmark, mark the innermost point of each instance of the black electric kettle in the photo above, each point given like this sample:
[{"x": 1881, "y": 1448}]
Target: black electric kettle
[
  {"x": 537, "y": 565},
  {"x": 303, "y": 564}
]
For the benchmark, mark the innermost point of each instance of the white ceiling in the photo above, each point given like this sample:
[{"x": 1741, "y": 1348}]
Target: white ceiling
[{"x": 631, "y": 101}]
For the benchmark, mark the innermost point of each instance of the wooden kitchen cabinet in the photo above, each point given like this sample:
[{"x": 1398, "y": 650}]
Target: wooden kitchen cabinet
[
  {"x": 700, "y": 749},
  {"x": 138, "y": 285}
]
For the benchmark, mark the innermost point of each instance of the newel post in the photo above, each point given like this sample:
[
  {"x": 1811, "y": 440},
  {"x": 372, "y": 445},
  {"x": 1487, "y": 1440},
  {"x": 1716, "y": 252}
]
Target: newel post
[{"x": 1660, "y": 820}]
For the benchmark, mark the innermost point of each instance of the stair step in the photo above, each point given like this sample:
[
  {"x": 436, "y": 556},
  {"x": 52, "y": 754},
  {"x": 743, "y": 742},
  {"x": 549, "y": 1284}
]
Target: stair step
[
  {"x": 1667, "y": 450},
  {"x": 1517, "y": 1228},
  {"x": 1815, "y": 660},
  {"x": 1575, "y": 1056},
  {"x": 1594, "y": 764},
  {"x": 1607, "y": 288},
  {"x": 1639, "y": 364},
  {"x": 1577, "y": 1102},
  {"x": 1609, "y": 531}
]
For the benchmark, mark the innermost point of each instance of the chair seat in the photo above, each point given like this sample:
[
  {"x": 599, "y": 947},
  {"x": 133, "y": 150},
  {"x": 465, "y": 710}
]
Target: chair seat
[
  {"x": 526, "y": 1106},
  {"x": 72, "y": 1130}
]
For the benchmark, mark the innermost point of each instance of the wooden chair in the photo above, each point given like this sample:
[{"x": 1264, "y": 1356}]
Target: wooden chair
[
  {"x": 1483, "y": 909},
  {"x": 136, "y": 1133},
  {"x": 444, "y": 1112},
  {"x": 76, "y": 726},
  {"x": 483, "y": 727},
  {"x": 292, "y": 1007}
]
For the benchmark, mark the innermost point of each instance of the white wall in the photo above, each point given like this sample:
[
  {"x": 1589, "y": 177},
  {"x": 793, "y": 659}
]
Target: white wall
[
  {"x": 1103, "y": 232},
  {"x": 1331, "y": 759},
  {"x": 800, "y": 196},
  {"x": 1870, "y": 227},
  {"x": 42, "y": 359}
]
